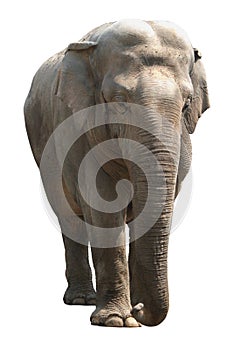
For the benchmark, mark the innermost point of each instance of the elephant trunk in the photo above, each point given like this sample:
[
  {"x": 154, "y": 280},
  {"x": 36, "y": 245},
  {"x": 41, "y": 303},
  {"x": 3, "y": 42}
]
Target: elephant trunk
[{"x": 148, "y": 253}]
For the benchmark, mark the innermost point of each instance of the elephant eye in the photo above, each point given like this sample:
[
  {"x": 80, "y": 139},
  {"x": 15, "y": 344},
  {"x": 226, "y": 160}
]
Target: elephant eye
[
  {"x": 187, "y": 103},
  {"x": 113, "y": 98},
  {"x": 119, "y": 103},
  {"x": 119, "y": 98}
]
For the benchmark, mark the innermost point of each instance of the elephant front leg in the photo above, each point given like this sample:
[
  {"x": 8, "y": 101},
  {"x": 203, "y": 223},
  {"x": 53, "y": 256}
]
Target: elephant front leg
[
  {"x": 107, "y": 238},
  {"x": 113, "y": 306},
  {"x": 80, "y": 289}
]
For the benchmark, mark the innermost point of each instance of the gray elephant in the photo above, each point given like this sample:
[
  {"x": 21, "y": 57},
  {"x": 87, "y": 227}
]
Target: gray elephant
[{"x": 128, "y": 64}]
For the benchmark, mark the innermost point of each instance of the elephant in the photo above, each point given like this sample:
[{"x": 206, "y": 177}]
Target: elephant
[{"x": 125, "y": 65}]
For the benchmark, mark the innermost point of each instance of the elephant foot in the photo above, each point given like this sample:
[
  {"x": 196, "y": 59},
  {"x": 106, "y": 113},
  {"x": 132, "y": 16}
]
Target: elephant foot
[
  {"x": 111, "y": 318},
  {"x": 73, "y": 296}
]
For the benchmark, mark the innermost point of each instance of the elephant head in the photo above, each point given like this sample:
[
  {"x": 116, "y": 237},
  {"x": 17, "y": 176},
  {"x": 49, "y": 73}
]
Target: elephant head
[
  {"x": 116, "y": 57},
  {"x": 151, "y": 64}
]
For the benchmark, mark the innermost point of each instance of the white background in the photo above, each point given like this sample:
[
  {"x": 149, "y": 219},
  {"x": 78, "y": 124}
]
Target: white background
[{"x": 32, "y": 313}]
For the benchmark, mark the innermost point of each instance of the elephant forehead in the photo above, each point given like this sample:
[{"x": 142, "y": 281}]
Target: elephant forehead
[{"x": 129, "y": 31}]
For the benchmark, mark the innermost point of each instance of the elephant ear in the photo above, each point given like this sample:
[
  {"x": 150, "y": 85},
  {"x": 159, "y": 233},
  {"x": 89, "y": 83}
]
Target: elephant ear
[
  {"x": 75, "y": 84},
  {"x": 200, "y": 100}
]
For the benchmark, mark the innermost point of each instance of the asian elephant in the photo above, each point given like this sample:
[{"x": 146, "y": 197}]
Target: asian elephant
[{"x": 130, "y": 62}]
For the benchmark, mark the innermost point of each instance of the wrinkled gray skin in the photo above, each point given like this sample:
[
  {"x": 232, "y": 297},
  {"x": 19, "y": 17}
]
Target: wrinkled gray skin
[{"x": 151, "y": 64}]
